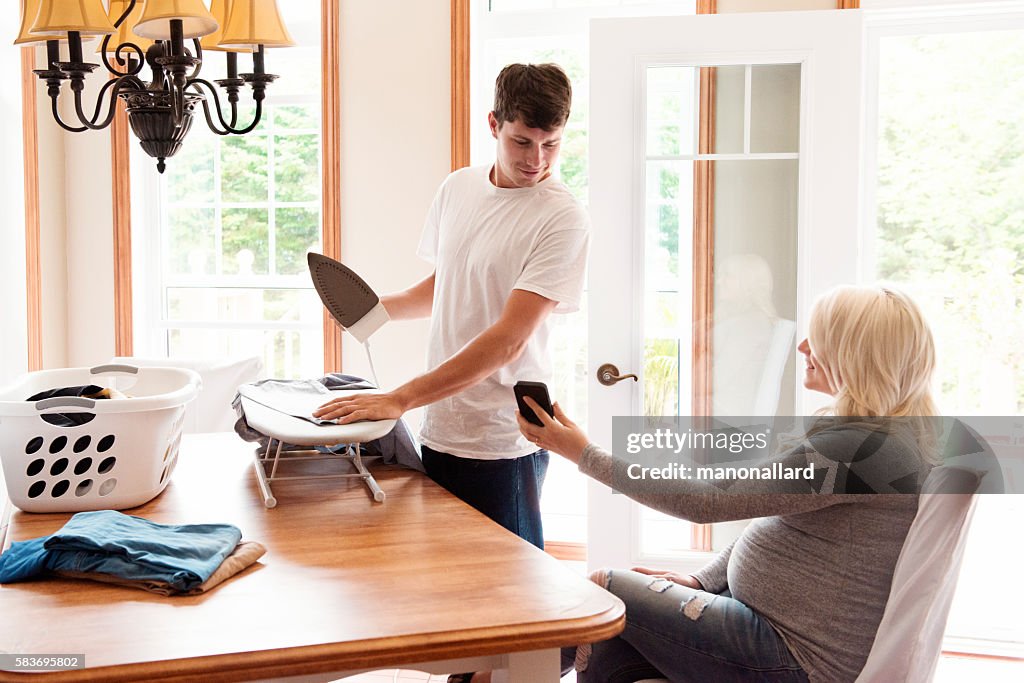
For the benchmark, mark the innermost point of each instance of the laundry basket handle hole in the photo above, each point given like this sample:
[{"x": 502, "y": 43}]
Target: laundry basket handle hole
[
  {"x": 48, "y": 411},
  {"x": 119, "y": 370}
]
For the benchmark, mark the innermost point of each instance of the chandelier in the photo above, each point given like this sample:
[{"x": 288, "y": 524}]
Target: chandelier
[{"x": 137, "y": 33}]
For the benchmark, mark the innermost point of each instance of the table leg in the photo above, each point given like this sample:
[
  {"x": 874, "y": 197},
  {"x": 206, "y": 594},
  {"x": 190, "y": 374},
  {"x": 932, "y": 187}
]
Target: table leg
[{"x": 530, "y": 667}]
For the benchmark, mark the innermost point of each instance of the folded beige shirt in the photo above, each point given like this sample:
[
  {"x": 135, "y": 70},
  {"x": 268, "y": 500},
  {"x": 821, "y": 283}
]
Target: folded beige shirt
[{"x": 245, "y": 554}]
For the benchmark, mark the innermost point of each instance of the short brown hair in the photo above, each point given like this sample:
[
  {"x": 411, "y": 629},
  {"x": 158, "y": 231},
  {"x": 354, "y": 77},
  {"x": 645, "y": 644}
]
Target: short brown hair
[{"x": 537, "y": 94}]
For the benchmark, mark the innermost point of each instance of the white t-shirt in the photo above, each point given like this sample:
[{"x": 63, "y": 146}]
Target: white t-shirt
[{"x": 485, "y": 241}]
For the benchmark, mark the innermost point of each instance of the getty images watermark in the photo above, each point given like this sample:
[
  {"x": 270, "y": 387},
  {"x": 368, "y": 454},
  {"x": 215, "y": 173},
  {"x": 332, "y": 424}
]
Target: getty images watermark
[{"x": 822, "y": 455}]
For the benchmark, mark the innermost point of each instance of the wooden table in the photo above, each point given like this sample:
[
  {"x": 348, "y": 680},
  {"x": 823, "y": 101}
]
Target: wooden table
[{"x": 421, "y": 581}]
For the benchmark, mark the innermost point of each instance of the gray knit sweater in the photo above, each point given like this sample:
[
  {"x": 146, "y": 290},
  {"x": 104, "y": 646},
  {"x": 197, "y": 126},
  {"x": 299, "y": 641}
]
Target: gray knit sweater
[{"x": 818, "y": 567}]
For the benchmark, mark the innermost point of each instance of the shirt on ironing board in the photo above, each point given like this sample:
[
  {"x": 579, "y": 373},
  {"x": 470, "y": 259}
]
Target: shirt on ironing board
[{"x": 484, "y": 242}]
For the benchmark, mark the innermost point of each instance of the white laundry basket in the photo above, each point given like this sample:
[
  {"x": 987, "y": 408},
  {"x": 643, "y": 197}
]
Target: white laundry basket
[{"x": 122, "y": 454}]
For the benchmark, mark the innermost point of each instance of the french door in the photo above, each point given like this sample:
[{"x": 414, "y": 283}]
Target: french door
[{"x": 724, "y": 197}]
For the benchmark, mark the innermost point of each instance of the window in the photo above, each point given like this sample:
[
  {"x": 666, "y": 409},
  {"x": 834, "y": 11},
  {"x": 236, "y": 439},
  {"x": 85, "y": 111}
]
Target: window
[
  {"x": 950, "y": 163},
  {"x": 226, "y": 229},
  {"x": 504, "y": 32}
]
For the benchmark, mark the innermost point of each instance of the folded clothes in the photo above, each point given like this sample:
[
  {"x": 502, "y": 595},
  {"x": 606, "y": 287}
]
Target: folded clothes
[
  {"x": 111, "y": 543},
  {"x": 84, "y": 391},
  {"x": 242, "y": 557}
]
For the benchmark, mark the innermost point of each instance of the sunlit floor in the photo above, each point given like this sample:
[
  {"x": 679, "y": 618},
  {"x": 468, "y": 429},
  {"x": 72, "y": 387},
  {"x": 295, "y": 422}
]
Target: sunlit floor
[
  {"x": 959, "y": 669},
  {"x": 951, "y": 670}
]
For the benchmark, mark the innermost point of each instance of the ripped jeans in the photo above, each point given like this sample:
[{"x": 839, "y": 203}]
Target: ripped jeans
[{"x": 683, "y": 634}]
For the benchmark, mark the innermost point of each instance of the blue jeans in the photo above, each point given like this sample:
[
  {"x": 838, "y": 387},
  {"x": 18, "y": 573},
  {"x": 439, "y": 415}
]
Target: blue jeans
[
  {"x": 685, "y": 635},
  {"x": 507, "y": 491}
]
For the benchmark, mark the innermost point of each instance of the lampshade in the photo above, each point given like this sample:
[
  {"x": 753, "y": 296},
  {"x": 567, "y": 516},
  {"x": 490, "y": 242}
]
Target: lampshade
[
  {"x": 124, "y": 31},
  {"x": 220, "y": 9},
  {"x": 156, "y": 19},
  {"x": 29, "y": 11},
  {"x": 57, "y": 17},
  {"x": 255, "y": 22}
]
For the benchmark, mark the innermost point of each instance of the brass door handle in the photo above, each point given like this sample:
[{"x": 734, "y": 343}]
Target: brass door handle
[{"x": 608, "y": 375}]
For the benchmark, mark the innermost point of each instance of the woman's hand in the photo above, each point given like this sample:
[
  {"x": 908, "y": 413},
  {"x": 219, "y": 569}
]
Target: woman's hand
[
  {"x": 558, "y": 434},
  {"x": 688, "y": 580}
]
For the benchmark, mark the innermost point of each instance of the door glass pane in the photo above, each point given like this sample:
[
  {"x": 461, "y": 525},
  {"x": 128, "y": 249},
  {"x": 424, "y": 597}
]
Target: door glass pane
[
  {"x": 668, "y": 287},
  {"x": 753, "y": 355},
  {"x": 775, "y": 108},
  {"x": 670, "y": 116},
  {"x": 730, "y": 94},
  {"x": 753, "y": 204}
]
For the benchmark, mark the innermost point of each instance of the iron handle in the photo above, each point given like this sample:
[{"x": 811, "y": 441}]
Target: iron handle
[{"x": 608, "y": 375}]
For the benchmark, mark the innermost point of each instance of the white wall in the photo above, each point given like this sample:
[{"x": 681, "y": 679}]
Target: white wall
[
  {"x": 13, "y": 348},
  {"x": 90, "y": 237},
  {"x": 53, "y": 256},
  {"x": 396, "y": 150}
]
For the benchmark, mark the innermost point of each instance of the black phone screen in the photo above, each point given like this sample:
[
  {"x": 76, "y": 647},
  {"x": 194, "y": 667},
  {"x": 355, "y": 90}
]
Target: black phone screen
[{"x": 538, "y": 391}]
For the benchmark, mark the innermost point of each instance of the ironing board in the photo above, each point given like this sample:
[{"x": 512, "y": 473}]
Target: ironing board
[{"x": 282, "y": 428}]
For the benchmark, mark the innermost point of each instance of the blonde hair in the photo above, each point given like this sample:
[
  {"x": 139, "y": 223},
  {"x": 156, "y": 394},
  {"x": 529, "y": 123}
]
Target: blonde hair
[{"x": 876, "y": 351}]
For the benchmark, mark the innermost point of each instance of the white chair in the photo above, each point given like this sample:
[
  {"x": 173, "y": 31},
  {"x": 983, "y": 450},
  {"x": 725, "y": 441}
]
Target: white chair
[
  {"x": 211, "y": 411},
  {"x": 909, "y": 637},
  {"x": 770, "y": 382}
]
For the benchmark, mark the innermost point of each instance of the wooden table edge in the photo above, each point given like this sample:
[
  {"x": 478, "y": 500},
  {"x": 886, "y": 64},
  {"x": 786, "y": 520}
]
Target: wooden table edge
[{"x": 349, "y": 656}]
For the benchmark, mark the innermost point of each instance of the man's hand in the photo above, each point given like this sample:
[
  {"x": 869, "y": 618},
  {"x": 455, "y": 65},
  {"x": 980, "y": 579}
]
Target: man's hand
[
  {"x": 362, "y": 406},
  {"x": 688, "y": 581}
]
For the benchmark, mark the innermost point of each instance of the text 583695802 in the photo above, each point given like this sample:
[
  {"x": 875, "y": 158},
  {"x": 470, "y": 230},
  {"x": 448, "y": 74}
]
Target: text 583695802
[{"x": 49, "y": 662}]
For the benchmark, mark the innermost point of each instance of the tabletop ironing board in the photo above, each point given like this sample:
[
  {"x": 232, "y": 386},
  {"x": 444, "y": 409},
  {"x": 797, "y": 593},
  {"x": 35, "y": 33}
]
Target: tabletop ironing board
[
  {"x": 356, "y": 308},
  {"x": 280, "y": 428}
]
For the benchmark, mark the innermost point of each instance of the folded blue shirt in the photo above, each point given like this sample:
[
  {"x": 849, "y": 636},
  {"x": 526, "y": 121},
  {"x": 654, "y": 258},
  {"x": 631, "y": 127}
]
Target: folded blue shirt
[{"x": 108, "y": 542}]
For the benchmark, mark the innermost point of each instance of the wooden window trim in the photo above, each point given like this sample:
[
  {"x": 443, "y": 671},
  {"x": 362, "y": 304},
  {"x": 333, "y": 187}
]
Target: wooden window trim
[
  {"x": 460, "y": 83},
  {"x": 121, "y": 189},
  {"x": 704, "y": 260},
  {"x": 33, "y": 274},
  {"x": 330, "y": 62},
  {"x": 847, "y": 4}
]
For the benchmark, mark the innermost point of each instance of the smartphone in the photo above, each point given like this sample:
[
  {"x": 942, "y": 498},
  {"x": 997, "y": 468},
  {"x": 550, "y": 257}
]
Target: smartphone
[{"x": 538, "y": 391}]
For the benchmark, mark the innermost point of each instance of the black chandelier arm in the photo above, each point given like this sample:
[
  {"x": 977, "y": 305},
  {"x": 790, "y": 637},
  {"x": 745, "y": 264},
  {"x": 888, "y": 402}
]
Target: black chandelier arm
[
  {"x": 227, "y": 129},
  {"x": 122, "y": 60},
  {"x": 199, "y": 56},
  {"x": 99, "y": 102},
  {"x": 60, "y": 122},
  {"x": 130, "y": 46},
  {"x": 117, "y": 83}
]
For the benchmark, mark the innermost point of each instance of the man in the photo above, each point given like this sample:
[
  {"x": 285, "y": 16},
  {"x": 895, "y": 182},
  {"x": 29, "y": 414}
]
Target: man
[{"x": 509, "y": 245}]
